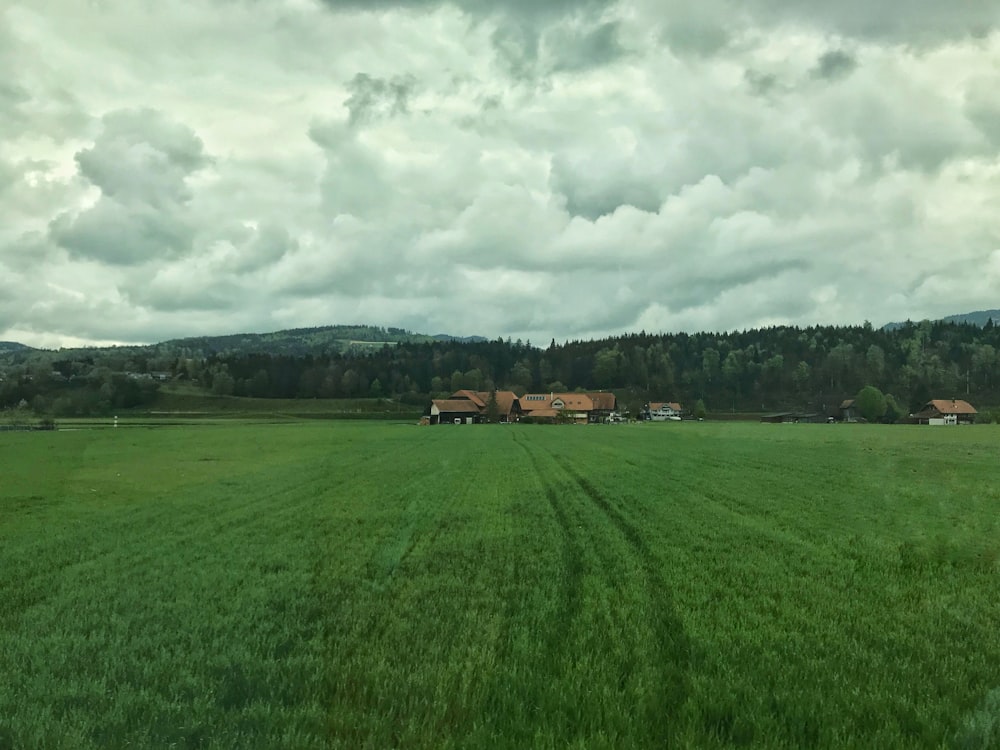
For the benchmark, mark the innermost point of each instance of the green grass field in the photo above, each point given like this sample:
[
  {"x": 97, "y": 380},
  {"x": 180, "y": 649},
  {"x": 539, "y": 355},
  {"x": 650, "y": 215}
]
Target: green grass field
[{"x": 382, "y": 585}]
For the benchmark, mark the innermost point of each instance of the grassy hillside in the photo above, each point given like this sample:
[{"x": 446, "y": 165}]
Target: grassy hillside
[
  {"x": 299, "y": 342},
  {"x": 355, "y": 585}
]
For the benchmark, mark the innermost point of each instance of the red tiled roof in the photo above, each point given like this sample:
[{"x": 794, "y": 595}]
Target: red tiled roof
[
  {"x": 532, "y": 402},
  {"x": 458, "y": 405},
  {"x": 505, "y": 399},
  {"x": 472, "y": 396},
  {"x": 576, "y": 401},
  {"x": 950, "y": 406},
  {"x": 603, "y": 400},
  {"x": 657, "y": 405}
]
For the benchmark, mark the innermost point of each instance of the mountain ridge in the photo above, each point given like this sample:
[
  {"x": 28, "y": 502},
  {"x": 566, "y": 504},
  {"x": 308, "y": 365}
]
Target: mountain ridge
[
  {"x": 978, "y": 318},
  {"x": 317, "y": 340},
  {"x": 331, "y": 339}
]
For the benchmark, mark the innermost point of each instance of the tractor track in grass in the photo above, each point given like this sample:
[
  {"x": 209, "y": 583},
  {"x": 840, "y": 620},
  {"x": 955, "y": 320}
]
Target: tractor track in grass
[
  {"x": 671, "y": 640},
  {"x": 571, "y": 592},
  {"x": 573, "y": 513}
]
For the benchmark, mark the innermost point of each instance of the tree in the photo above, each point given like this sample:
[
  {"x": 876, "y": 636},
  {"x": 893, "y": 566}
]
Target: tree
[
  {"x": 492, "y": 408},
  {"x": 260, "y": 384},
  {"x": 700, "y": 411},
  {"x": 605, "y": 370},
  {"x": 520, "y": 374},
  {"x": 801, "y": 376},
  {"x": 222, "y": 384},
  {"x": 875, "y": 362},
  {"x": 349, "y": 383},
  {"x": 871, "y": 403},
  {"x": 892, "y": 410}
]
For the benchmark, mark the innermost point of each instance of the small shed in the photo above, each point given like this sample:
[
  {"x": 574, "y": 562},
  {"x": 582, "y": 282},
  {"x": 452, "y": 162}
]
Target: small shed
[{"x": 849, "y": 410}]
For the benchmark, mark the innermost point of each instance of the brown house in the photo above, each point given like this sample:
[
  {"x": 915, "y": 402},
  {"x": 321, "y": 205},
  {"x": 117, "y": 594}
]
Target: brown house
[
  {"x": 508, "y": 404},
  {"x": 569, "y": 407},
  {"x": 582, "y": 408},
  {"x": 946, "y": 411},
  {"x": 658, "y": 411}
]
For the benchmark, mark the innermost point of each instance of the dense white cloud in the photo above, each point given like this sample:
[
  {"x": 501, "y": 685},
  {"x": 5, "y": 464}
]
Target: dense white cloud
[{"x": 538, "y": 170}]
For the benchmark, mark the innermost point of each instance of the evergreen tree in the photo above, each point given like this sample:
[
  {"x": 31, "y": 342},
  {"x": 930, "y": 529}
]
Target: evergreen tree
[{"x": 492, "y": 408}]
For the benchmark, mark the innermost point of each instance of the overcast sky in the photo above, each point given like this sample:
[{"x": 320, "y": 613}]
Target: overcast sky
[{"x": 566, "y": 169}]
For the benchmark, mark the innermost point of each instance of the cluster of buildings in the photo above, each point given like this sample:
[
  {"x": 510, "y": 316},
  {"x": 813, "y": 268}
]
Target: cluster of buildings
[
  {"x": 474, "y": 407},
  {"x": 471, "y": 407},
  {"x": 938, "y": 411}
]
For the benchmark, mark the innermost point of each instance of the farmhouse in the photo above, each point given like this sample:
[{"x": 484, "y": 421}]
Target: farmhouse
[
  {"x": 945, "y": 411},
  {"x": 660, "y": 411},
  {"x": 569, "y": 407}
]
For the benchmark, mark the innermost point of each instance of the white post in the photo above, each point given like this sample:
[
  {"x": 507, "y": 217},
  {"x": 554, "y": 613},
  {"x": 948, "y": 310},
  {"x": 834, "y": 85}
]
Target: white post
[{"x": 116, "y": 420}]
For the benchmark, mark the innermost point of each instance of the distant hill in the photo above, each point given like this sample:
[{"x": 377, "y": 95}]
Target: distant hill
[
  {"x": 295, "y": 342},
  {"x": 323, "y": 340},
  {"x": 11, "y": 352},
  {"x": 979, "y": 318},
  {"x": 13, "y": 346},
  {"x": 460, "y": 339}
]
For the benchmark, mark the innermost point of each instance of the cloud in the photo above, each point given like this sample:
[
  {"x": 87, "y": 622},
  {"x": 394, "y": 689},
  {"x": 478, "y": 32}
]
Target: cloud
[
  {"x": 373, "y": 98},
  {"x": 982, "y": 106},
  {"x": 140, "y": 163},
  {"x": 119, "y": 234},
  {"x": 582, "y": 49},
  {"x": 142, "y": 156},
  {"x": 516, "y": 168},
  {"x": 9, "y": 174},
  {"x": 517, "y": 8},
  {"x": 915, "y": 21},
  {"x": 834, "y": 64}
]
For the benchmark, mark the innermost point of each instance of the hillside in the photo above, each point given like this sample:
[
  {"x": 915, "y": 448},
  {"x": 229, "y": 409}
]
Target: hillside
[
  {"x": 298, "y": 342},
  {"x": 978, "y": 318},
  {"x": 13, "y": 347}
]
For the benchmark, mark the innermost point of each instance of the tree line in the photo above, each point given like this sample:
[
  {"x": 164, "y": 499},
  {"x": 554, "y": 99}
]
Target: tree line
[{"x": 775, "y": 368}]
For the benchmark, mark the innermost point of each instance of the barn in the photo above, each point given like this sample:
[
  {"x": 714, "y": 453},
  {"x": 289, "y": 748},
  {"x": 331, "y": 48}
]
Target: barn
[{"x": 454, "y": 411}]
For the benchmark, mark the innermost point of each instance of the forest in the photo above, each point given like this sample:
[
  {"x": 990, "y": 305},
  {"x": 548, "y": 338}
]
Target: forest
[{"x": 751, "y": 371}]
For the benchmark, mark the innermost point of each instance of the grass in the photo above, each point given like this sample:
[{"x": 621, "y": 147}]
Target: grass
[
  {"x": 186, "y": 402},
  {"x": 382, "y": 585}
]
